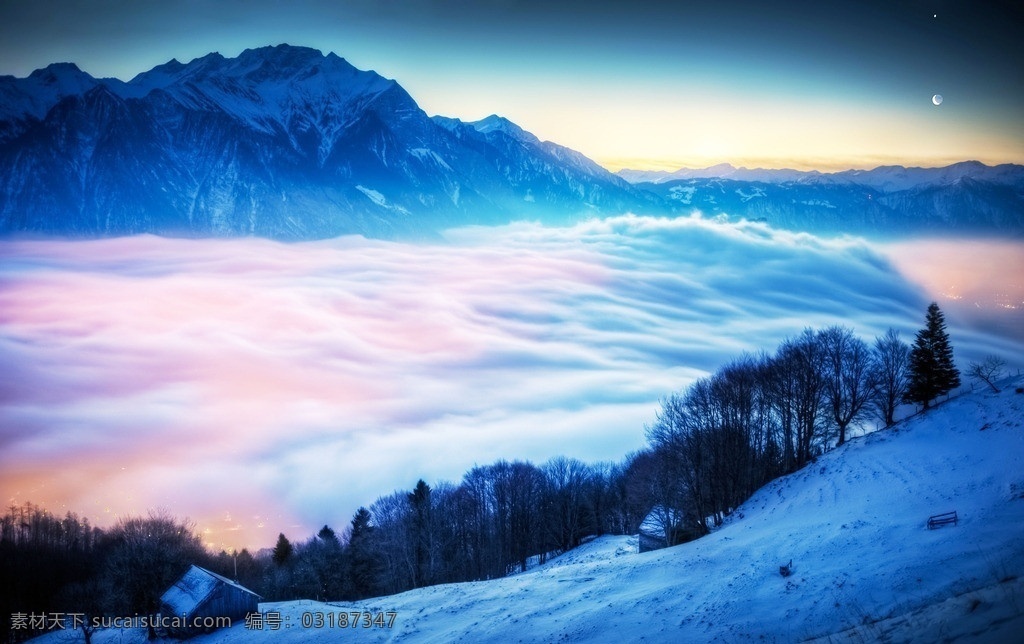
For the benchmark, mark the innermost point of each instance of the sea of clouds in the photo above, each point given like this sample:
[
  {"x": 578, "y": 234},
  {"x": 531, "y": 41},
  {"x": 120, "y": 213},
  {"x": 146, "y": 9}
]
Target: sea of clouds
[{"x": 259, "y": 387}]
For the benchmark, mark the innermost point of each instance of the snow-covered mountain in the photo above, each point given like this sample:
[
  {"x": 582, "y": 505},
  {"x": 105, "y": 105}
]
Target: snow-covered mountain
[
  {"x": 965, "y": 197},
  {"x": 281, "y": 142},
  {"x": 865, "y": 566},
  {"x": 288, "y": 143},
  {"x": 882, "y": 178},
  {"x": 720, "y": 171}
]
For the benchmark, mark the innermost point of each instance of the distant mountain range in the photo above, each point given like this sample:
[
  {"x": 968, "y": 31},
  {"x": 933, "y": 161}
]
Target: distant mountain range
[
  {"x": 287, "y": 143},
  {"x": 893, "y": 178},
  {"x": 968, "y": 197}
]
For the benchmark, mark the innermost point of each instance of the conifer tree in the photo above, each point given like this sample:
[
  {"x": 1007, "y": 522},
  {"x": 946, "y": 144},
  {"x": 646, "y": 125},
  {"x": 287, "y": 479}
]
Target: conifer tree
[
  {"x": 282, "y": 550},
  {"x": 420, "y": 532},
  {"x": 328, "y": 536},
  {"x": 363, "y": 563},
  {"x": 932, "y": 371}
]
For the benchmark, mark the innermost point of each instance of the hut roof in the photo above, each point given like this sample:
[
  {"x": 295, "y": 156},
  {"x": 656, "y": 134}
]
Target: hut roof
[
  {"x": 653, "y": 523},
  {"x": 194, "y": 587}
]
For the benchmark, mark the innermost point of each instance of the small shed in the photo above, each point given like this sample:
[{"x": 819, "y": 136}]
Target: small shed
[
  {"x": 195, "y": 601},
  {"x": 652, "y": 531},
  {"x": 663, "y": 527}
]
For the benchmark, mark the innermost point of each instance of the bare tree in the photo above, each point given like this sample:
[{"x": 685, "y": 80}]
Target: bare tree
[
  {"x": 681, "y": 456},
  {"x": 146, "y": 556},
  {"x": 782, "y": 378},
  {"x": 891, "y": 363},
  {"x": 849, "y": 376},
  {"x": 988, "y": 371},
  {"x": 654, "y": 485},
  {"x": 475, "y": 510},
  {"x": 635, "y": 492},
  {"x": 568, "y": 516},
  {"x": 603, "y": 500},
  {"x": 518, "y": 491},
  {"x": 800, "y": 365},
  {"x": 397, "y": 569}
]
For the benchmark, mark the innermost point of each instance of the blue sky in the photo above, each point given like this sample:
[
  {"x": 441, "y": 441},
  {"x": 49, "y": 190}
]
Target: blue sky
[{"x": 825, "y": 85}]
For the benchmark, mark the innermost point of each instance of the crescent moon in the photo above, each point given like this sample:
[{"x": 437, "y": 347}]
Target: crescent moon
[{"x": 937, "y": 99}]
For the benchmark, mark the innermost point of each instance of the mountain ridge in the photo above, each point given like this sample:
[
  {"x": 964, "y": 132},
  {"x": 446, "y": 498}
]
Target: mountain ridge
[
  {"x": 963, "y": 198},
  {"x": 292, "y": 144},
  {"x": 884, "y": 177},
  {"x": 282, "y": 142}
]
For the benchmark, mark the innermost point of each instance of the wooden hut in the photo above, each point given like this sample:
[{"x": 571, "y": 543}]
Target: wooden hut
[
  {"x": 663, "y": 527},
  {"x": 195, "y": 601},
  {"x": 652, "y": 531}
]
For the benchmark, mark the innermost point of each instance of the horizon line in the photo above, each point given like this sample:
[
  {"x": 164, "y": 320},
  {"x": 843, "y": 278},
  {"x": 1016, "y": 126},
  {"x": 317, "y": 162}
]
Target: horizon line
[{"x": 820, "y": 166}]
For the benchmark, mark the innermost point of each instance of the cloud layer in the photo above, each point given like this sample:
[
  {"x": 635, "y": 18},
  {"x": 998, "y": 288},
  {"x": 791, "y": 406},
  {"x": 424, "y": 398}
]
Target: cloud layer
[{"x": 259, "y": 387}]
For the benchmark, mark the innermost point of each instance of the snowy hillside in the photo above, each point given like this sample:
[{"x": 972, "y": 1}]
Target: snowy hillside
[{"x": 865, "y": 567}]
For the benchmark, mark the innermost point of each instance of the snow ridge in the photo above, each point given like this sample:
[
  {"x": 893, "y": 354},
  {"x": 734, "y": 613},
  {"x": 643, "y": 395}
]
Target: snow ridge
[{"x": 884, "y": 179}]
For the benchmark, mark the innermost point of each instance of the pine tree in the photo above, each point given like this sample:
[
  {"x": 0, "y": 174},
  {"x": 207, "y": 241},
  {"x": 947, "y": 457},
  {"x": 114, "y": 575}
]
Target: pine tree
[
  {"x": 328, "y": 536},
  {"x": 932, "y": 371},
  {"x": 363, "y": 565},
  {"x": 420, "y": 533},
  {"x": 282, "y": 550}
]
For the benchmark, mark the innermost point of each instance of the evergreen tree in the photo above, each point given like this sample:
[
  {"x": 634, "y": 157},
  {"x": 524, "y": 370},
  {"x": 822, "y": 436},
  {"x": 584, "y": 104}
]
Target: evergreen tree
[
  {"x": 420, "y": 532},
  {"x": 331, "y": 563},
  {"x": 282, "y": 550},
  {"x": 932, "y": 372},
  {"x": 327, "y": 536},
  {"x": 363, "y": 564}
]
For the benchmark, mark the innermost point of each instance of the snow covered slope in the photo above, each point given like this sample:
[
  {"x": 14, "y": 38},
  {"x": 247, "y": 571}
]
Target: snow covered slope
[{"x": 865, "y": 567}]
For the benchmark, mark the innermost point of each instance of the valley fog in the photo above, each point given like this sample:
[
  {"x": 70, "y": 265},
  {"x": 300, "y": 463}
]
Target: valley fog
[{"x": 259, "y": 387}]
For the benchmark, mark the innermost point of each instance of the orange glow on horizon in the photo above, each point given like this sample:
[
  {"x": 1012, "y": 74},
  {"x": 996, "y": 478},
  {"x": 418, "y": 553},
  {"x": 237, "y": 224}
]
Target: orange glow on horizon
[{"x": 615, "y": 164}]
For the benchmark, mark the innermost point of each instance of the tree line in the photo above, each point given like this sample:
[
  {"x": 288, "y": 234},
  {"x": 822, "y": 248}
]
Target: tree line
[
  {"x": 497, "y": 520},
  {"x": 710, "y": 447},
  {"x": 762, "y": 416}
]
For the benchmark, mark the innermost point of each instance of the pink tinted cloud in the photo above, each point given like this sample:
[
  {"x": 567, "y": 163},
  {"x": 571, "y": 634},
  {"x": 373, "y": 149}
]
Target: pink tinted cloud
[{"x": 151, "y": 361}]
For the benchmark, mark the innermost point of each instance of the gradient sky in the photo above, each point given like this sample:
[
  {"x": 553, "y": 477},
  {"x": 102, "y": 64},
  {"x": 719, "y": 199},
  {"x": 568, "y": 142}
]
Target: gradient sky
[
  {"x": 810, "y": 85},
  {"x": 259, "y": 387}
]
